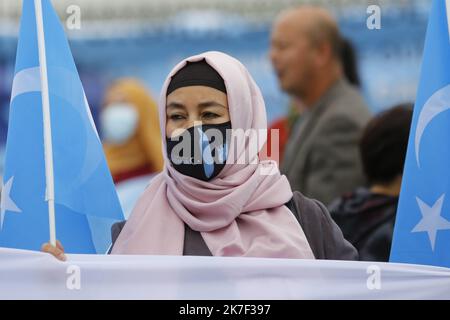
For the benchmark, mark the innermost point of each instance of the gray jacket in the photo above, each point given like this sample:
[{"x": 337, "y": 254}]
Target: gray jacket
[
  {"x": 323, "y": 235},
  {"x": 322, "y": 159}
]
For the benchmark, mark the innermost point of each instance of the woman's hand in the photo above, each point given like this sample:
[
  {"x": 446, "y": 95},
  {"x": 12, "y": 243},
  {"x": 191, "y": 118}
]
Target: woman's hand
[{"x": 57, "y": 252}]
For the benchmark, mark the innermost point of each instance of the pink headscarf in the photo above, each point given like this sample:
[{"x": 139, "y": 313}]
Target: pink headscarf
[{"x": 241, "y": 212}]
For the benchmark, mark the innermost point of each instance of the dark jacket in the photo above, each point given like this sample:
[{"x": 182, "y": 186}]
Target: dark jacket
[
  {"x": 324, "y": 236},
  {"x": 367, "y": 221}
]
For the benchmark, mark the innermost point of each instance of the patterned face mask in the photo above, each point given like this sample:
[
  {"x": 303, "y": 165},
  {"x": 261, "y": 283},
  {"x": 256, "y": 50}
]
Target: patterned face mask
[{"x": 200, "y": 151}]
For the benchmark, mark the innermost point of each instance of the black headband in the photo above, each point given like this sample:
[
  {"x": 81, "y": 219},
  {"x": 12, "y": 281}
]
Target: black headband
[{"x": 198, "y": 73}]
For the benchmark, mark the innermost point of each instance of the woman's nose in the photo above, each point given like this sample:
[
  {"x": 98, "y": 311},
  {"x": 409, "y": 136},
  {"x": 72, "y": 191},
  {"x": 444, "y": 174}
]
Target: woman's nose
[{"x": 193, "y": 122}]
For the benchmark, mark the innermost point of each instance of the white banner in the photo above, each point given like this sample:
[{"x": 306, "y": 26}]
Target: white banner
[{"x": 35, "y": 275}]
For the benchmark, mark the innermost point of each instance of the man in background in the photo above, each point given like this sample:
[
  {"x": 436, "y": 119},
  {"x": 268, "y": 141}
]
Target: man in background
[{"x": 321, "y": 158}]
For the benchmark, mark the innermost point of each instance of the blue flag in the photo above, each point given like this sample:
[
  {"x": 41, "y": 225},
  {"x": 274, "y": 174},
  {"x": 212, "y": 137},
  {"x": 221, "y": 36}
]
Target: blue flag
[
  {"x": 422, "y": 228},
  {"x": 86, "y": 202}
]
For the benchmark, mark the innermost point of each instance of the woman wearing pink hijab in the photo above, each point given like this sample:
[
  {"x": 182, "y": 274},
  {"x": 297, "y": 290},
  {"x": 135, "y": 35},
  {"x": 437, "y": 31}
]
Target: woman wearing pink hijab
[{"x": 215, "y": 195}]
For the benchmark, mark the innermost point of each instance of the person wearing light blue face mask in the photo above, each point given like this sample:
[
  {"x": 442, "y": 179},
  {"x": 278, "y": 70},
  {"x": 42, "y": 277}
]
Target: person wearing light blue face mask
[
  {"x": 118, "y": 123},
  {"x": 131, "y": 138},
  {"x": 130, "y": 131}
]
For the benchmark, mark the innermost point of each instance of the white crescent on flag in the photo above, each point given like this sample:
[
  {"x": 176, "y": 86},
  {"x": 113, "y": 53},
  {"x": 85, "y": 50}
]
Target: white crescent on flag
[{"x": 435, "y": 105}]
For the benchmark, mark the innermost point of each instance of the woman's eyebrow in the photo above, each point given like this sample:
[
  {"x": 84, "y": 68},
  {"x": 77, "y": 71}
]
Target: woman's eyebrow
[
  {"x": 175, "y": 105},
  {"x": 210, "y": 104}
]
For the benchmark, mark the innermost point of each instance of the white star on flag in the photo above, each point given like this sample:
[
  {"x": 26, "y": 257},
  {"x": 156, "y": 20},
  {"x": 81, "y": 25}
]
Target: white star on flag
[
  {"x": 431, "y": 219},
  {"x": 6, "y": 202}
]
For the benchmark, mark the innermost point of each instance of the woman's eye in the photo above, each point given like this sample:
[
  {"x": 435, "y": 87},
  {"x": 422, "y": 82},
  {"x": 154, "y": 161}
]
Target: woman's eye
[
  {"x": 209, "y": 115},
  {"x": 176, "y": 117}
]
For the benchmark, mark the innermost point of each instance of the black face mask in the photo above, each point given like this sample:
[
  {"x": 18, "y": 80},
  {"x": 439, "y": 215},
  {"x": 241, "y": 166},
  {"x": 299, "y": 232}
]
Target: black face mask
[{"x": 200, "y": 151}]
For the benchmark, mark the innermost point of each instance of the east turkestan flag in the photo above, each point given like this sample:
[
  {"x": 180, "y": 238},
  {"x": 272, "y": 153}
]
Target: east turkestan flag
[
  {"x": 86, "y": 202},
  {"x": 422, "y": 227}
]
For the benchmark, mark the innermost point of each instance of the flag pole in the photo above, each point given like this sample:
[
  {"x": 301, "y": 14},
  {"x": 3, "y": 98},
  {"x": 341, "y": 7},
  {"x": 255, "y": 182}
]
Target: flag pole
[{"x": 48, "y": 148}]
